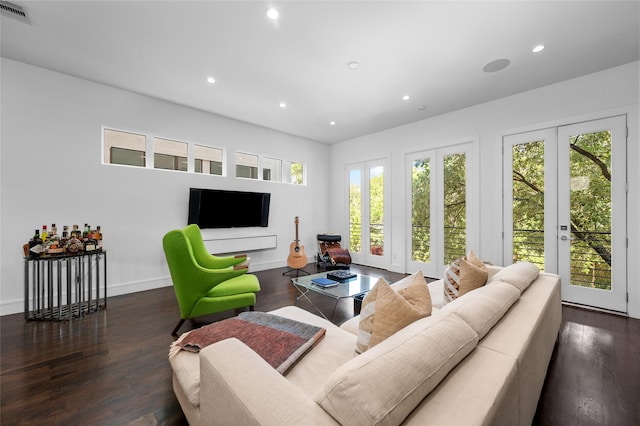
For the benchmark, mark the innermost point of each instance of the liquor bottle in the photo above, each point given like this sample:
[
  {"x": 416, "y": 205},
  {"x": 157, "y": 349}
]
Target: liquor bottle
[
  {"x": 75, "y": 233},
  {"x": 35, "y": 245},
  {"x": 53, "y": 235},
  {"x": 97, "y": 235},
  {"x": 44, "y": 236},
  {"x": 89, "y": 244},
  {"x": 35, "y": 240},
  {"x": 74, "y": 245},
  {"x": 87, "y": 229},
  {"x": 65, "y": 237}
]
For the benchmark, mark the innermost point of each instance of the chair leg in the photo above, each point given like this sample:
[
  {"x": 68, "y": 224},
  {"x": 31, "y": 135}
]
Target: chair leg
[
  {"x": 252, "y": 308},
  {"x": 177, "y": 327}
]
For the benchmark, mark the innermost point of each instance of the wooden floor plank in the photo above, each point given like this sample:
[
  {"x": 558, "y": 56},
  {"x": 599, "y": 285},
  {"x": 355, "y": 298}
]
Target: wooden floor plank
[{"x": 111, "y": 368}]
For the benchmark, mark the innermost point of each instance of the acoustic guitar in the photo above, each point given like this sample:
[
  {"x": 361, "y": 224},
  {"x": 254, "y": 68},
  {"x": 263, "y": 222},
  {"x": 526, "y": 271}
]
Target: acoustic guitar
[{"x": 297, "y": 259}]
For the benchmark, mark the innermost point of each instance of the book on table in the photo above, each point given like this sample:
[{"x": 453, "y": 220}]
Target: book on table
[
  {"x": 341, "y": 275},
  {"x": 324, "y": 282}
]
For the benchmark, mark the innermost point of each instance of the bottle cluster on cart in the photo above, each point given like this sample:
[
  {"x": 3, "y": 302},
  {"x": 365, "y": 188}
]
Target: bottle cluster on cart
[{"x": 50, "y": 243}]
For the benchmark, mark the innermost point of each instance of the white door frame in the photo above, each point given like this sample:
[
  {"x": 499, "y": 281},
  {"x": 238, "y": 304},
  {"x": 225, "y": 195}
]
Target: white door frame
[
  {"x": 365, "y": 257},
  {"x": 557, "y": 207},
  {"x": 616, "y": 298},
  {"x": 436, "y": 266}
]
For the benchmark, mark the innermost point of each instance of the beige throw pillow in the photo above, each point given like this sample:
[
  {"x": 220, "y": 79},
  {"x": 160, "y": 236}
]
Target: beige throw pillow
[
  {"x": 464, "y": 275},
  {"x": 385, "y": 311}
]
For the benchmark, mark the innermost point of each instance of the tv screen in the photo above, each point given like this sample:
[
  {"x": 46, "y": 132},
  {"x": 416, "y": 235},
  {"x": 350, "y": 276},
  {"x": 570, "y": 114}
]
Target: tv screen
[{"x": 216, "y": 208}]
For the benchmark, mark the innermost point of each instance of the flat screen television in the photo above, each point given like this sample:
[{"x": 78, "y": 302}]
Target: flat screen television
[{"x": 216, "y": 208}]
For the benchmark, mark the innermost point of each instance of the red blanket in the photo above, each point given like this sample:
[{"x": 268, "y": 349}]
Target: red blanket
[{"x": 279, "y": 341}]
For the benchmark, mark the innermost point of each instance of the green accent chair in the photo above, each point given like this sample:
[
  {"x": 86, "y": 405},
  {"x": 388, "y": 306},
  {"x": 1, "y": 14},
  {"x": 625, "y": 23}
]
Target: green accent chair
[{"x": 206, "y": 284}]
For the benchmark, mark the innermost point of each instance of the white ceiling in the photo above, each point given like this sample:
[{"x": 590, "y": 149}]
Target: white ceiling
[{"x": 433, "y": 51}]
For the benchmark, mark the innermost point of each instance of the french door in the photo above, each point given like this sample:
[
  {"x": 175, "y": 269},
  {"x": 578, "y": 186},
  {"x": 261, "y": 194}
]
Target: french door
[
  {"x": 368, "y": 213},
  {"x": 565, "y": 208},
  {"x": 439, "y": 211}
]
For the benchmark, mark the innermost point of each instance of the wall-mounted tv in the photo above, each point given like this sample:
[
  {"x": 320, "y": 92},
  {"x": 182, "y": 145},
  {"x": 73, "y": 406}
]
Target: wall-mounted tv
[{"x": 216, "y": 208}]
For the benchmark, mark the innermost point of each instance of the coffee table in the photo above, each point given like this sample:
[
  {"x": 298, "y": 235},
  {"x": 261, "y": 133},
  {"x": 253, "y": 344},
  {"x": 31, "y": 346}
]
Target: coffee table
[{"x": 353, "y": 287}]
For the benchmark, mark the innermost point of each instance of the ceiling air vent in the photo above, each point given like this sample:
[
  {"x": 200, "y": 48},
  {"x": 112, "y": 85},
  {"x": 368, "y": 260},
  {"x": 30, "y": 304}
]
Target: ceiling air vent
[{"x": 12, "y": 10}]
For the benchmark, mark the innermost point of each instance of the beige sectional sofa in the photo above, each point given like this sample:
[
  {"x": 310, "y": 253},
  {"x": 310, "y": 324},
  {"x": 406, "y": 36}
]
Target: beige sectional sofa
[{"x": 481, "y": 359}]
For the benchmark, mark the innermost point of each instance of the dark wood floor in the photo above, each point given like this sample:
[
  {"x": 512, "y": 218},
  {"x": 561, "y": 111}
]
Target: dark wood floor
[{"x": 111, "y": 368}]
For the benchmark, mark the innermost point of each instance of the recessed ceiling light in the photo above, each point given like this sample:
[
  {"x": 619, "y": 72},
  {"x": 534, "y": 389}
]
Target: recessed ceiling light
[
  {"x": 273, "y": 14},
  {"x": 353, "y": 65},
  {"x": 283, "y": 105},
  {"x": 332, "y": 123},
  {"x": 496, "y": 65},
  {"x": 421, "y": 107},
  {"x": 538, "y": 48},
  {"x": 211, "y": 80},
  {"x": 406, "y": 97}
]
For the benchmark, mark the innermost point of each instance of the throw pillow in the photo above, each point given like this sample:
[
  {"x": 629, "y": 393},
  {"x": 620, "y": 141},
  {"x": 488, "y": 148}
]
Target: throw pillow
[
  {"x": 464, "y": 275},
  {"x": 385, "y": 311}
]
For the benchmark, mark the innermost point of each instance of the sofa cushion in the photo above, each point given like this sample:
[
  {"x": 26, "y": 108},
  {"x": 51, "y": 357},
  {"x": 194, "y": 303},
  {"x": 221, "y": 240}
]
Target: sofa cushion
[
  {"x": 336, "y": 348},
  {"x": 464, "y": 275},
  {"x": 385, "y": 383},
  {"x": 386, "y": 310},
  {"x": 484, "y": 307},
  {"x": 481, "y": 390},
  {"x": 519, "y": 274}
]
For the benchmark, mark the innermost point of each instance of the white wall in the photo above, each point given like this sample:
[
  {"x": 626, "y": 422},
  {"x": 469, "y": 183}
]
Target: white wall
[
  {"x": 613, "y": 91},
  {"x": 51, "y": 172}
]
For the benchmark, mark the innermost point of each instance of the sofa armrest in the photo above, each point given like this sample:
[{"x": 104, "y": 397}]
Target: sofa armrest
[{"x": 238, "y": 387}]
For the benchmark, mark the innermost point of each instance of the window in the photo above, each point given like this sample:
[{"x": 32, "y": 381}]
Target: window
[
  {"x": 169, "y": 155},
  {"x": 246, "y": 165},
  {"x": 133, "y": 149},
  {"x": 124, "y": 148},
  {"x": 208, "y": 160},
  {"x": 271, "y": 169},
  {"x": 293, "y": 173}
]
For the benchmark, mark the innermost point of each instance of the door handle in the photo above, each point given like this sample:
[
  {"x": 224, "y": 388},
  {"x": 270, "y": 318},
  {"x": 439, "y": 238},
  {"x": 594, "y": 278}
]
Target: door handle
[{"x": 565, "y": 238}]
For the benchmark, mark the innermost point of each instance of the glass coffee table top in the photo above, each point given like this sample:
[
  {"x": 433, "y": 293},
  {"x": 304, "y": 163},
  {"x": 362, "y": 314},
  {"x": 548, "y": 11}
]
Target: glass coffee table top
[{"x": 354, "y": 286}]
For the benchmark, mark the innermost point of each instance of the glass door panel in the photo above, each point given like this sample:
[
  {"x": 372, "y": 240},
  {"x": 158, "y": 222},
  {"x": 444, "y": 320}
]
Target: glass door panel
[
  {"x": 368, "y": 213},
  {"x": 529, "y": 216},
  {"x": 592, "y": 213},
  {"x": 355, "y": 210},
  {"x": 455, "y": 206},
  {"x": 376, "y": 210},
  {"x": 421, "y": 210}
]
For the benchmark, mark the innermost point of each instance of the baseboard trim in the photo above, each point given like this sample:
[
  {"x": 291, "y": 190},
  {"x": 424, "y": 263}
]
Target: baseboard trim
[
  {"x": 593, "y": 308},
  {"x": 16, "y": 306}
]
